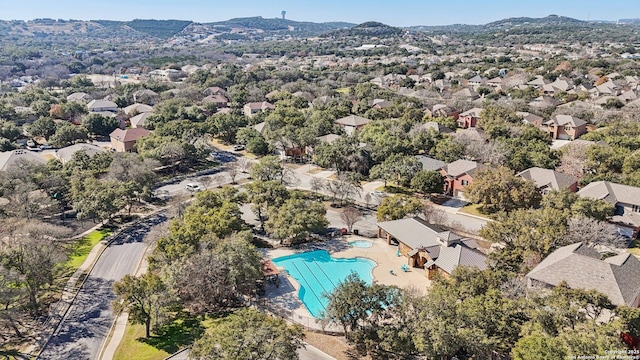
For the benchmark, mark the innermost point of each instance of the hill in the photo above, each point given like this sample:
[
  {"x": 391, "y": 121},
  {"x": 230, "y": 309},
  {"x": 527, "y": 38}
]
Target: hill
[
  {"x": 280, "y": 25},
  {"x": 162, "y": 29},
  {"x": 369, "y": 29}
]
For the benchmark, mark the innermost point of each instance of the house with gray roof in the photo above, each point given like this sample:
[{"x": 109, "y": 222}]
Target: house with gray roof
[
  {"x": 430, "y": 164},
  {"x": 352, "y": 123},
  {"x": 65, "y": 154},
  {"x": 625, "y": 198},
  {"x": 564, "y": 127},
  {"x": 457, "y": 175},
  {"x": 547, "y": 180},
  {"x": 102, "y": 105},
  {"x": 581, "y": 267},
  {"x": 137, "y": 108},
  {"x": 429, "y": 247},
  {"x": 13, "y": 158}
]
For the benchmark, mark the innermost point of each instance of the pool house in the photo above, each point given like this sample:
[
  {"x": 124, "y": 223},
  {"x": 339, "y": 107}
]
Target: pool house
[{"x": 429, "y": 247}]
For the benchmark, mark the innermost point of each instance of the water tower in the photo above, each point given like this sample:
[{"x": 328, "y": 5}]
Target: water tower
[{"x": 283, "y": 13}]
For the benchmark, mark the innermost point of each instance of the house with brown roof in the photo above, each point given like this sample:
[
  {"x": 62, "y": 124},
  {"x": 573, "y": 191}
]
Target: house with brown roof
[
  {"x": 625, "y": 198},
  {"x": 547, "y": 180},
  {"x": 581, "y": 267},
  {"x": 253, "y": 108},
  {"x": 125, "y": 140},
  {"x": 431, "y": 248},
  {"x": 469, "y": 118},
  {"x": 352, "y": 123},
  {"x": 529, "y": 118},
  {"x": 457, "y": 175},
  {"x": 220, "y": 100},
  {"x": 564, "y": 127}
]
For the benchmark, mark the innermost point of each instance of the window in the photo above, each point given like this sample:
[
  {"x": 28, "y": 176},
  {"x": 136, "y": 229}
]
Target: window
[
  {"x": 464, "y": 182},
  {"x": 635, "y": 208},
  {"x": 567, "y": 128}
]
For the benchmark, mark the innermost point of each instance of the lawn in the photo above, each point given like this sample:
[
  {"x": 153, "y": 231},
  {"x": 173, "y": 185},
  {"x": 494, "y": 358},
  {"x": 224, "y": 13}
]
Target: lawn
[
  {"x": 162, "y": 343},
  {"x": 634, "y": 248},
  {"x": 473, "y": 209},
  {"x": 82, "y": 248}
]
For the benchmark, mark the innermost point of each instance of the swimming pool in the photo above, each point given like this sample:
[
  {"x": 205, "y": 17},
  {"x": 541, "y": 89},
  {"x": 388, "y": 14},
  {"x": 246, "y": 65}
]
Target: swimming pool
[
  {"x": 361, "y": 244},
  {"x": 318, "y": 273}
]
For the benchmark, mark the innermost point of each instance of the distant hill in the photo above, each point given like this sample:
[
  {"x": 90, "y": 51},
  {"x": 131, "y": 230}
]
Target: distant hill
[
  {"x": 162, "y": 29},
  {"x": 280, "y": 25},
  {"x": 370, "y": 28},
  {"x": 519, "y": 22}
]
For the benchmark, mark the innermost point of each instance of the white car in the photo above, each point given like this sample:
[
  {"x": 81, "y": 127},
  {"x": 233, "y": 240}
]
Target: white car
[
  {"x": 378, "y": 193},
  {"x": 193, "y": 187}
]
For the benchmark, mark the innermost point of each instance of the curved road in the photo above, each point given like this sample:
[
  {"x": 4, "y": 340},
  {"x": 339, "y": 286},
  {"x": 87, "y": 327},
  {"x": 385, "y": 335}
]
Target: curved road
[{"x": 87, "y": 323}]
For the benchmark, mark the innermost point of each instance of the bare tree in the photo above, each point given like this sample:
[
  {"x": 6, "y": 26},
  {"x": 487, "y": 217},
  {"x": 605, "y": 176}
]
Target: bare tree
[
  {"x": 350, "y": 216},
  {"x": 367, "y": 199},
  {"x": 434, "y": 215},
  {"x": 244, "y": 164},
  {"x": 205, "y": 180},
  {"x": 599, "y": 234},
  {"x": 316, "y": 184},
  {"x": 218, "y": 178},
  {"x": 343, "y": 189},
  {"x": 574, "y": 160},
  {"x": 232, "y": 170}
]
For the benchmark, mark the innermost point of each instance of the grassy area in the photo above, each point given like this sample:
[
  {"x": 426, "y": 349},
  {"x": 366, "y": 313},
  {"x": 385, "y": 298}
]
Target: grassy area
[
  {"x": 473, "y": 209},
  {"x": 344, "y": 90},
  {"x": 83, "y": 247},
  {"x": 634, "y": 248},
  {"x": 163, "y": 342}
]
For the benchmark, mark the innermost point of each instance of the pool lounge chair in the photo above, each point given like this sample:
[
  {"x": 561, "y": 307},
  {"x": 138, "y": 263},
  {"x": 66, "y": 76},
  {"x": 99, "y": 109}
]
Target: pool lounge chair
[{"x": 404, "y": 267}]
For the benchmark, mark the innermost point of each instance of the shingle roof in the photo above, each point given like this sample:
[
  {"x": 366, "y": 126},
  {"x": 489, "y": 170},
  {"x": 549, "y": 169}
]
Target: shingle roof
[
  {"x": 430, "y": 163},
  {"x": 548, "y": 178},
  {"x": 414, "y": 232},
  {"x": 139, "y": 108},
  {"x": 101, "y": 104},
  {"x": 563, "y": 120},
  {"x": 580, "y": 267},
  {"x": 129, "y": 134},
  {"x": 138, "y": 120},
  {"x": 475, "y": 112},
  {"x": 65, "y": 154},
  {"x": 611, "y": 192},
  {"x": 353, "y": 120},
  {"x": 460, "y": 167},
  {"x": 329, "y": 138},
  {"x": 14, "y": 157},
  {"x": 456, "y": 255}
]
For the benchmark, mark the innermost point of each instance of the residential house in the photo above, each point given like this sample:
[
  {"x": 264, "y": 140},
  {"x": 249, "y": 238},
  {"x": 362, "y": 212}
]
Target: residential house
[
  {"x": 443, "y": 111},
  {"x": 125, "y": 140},
  {"x": 380, "y": 103},
  {"x": 476, "y": 81},
  {"x": 581, "y": 267},
  {"x": 430, "y": 164},
  {"x": 457, "y": 175},
  {"x": 137, "y": 108},
  {"x": 625, "y": 198},
  {"x": 145, "y": 96},
  {"x": 466, "y": 94},
  {"x": 102, "y": 105},
  {"x": 66, "y": 153},
  {"x": 529, "y": 118},
  {"x": 352, "y": 123},
  {"x": 469, "y": 118},
  {"x": 428, "y": 247},
  {"x": 564, "y": 127},
  {"x": 139, "y": 120},
  {"x": 547, "y": 180},
  {"x": 78, "y": 96},
  {"x": 220, "y": 100},
  {"x": 214, "y": 90},
  {"x": 253, "y": 108},
  {"x": 14, "y": 158}
]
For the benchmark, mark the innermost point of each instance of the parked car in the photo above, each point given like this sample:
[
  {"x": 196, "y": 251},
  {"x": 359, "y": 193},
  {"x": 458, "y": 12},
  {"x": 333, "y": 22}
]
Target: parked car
[
  {"x": 193, "y": 187},
  {"x": 31, "y": 143},
  {"x": 378, "y": 193},
  {"x": 238, "y": 147},
  {"x": 45, "y": 147}
]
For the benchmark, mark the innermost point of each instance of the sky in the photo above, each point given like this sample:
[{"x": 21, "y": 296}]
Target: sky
[{"x": 392, "y": 12}]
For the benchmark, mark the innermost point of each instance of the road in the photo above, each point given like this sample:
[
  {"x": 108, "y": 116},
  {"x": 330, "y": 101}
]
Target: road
[{"x": 87, "y": 323}]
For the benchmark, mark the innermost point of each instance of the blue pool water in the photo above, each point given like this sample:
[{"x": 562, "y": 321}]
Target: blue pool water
[
  {"x": 361, "y": 244},
  {"x": 318, "y": 273}
]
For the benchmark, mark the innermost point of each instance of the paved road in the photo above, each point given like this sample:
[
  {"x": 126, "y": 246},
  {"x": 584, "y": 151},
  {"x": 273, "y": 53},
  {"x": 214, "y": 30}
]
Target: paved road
[{"x": 87, "y": 323}]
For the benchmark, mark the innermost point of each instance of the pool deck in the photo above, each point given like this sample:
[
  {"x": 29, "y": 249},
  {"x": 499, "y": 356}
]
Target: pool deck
[{"x": 286, "y": 296}]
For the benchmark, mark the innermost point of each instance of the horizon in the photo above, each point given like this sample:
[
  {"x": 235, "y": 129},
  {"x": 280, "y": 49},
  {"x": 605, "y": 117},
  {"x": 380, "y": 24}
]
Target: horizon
[{"x": 402, "y": 14}]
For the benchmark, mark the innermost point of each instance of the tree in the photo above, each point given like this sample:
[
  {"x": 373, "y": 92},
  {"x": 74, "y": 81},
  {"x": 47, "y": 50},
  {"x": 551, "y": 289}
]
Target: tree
[
  {"x": 350, "y": 215},
  {"x": 594, "y": 232},
  {"x": 270, "y": 168},
  {"x": 343, "y": 188},
  {"x": 427, "y": 182},
  {"x": 44, "y": 127},
  {"x": 232, "y": 171},
  {"x": 500, "y": 190},
  {"x": 9, "y": 130},
  {"x": 264, "y": 194},
  {"x": 244, "y": 164},
  {"x": 67, "y": 134},
  {"x": 95, "y": 199},
  {"x": 295, "y": 219},
  {"x": 398, "y": 207},
  {"x": 141, "y": 296},
  {"x": 447, "y": 150},
  {"x": 251, "y": 335},
  {"x": 317, "y": 184},
  {"x": 97, "y": 124}
]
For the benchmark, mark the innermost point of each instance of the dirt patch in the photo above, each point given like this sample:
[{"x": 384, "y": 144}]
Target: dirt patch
[{"x": 335, "y": 346}]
